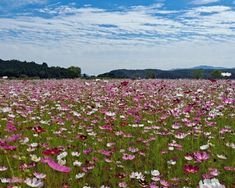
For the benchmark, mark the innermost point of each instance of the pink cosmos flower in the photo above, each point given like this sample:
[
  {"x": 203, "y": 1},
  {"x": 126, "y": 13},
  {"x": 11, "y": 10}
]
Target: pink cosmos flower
[
  {"x": 105, "y": 152},
  {"x": 201, "y": 156},
  {"x": 164, "y": 183},
  {"x": 214, "y": 172},
  {"x": 25, "y": 166},
  {"x": 153, "y": 185},
  {"x": 87, "y": 151},
  {"x": 122, "y": 184},
  {"x": 106, "y": 127},
  {"x": 56, "y": 166},
  {"x": 128, "y": 157},
  {"x": 229, "y": 168}
]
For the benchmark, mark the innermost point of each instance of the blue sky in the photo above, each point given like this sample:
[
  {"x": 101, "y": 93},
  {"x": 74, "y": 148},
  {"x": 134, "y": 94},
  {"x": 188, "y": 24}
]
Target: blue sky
[{"x": 103, "y": 35}]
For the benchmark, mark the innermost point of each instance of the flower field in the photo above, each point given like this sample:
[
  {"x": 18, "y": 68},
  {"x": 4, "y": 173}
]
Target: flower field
[{"x": 117, "y": 133}]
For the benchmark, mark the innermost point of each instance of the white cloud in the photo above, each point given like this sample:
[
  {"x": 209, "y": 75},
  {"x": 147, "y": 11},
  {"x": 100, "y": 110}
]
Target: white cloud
[
  {"x": 203, "y": 2},
  {"x": 137, "y": 37},
  {"x": 18, "y": 3}
]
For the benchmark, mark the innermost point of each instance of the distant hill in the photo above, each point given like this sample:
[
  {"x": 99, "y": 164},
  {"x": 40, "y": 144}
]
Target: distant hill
[
  {"x": 19, "y": 69},
  {"x": 168, "y": 74},
  {"x": 205, "y": 67}
]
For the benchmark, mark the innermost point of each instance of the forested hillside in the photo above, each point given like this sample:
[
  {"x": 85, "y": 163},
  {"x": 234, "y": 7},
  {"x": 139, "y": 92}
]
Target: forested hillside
[{"x": 19, "y": 69}]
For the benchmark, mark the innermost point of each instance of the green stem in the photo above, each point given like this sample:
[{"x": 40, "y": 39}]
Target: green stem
[{"x": 8, "y": 162}]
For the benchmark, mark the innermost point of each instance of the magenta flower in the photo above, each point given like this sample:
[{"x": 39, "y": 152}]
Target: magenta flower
[
  {"x": 53, "y": 151},
  {"x": 38, "y": 129},
  {"x": 10, "y": 127},
  {"x": 8, "y": 147},
  {"x": 13, "y": 138},
  {"x": 191, "y": 168},
  {"x": 56, "y": 166},
  {"x": 124, "y": 83}
]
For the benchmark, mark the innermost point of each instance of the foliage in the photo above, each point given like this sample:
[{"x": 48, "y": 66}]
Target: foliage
[
  {"x": 216, "y": 74},
  {"x": 18, "y": 69},
  {"x": 198, "y": 73}
]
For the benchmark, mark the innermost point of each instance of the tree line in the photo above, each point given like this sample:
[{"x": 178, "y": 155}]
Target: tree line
[{"x": 19, "y": 69}]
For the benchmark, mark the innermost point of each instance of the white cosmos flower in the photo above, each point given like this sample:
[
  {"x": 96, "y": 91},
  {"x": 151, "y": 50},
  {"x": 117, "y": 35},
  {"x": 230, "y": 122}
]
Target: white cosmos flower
[
  {"x": 79, "y": 175},
  {"x": 171, "y": 162},
  {"x": 39, "y": 175},
  {"x": 75, "y": 154},
  {"x": 137, "y": 175},
  {"x": 210, "y": 183},
  {"x": 204, "y": 147},
  {"x": 62, "y": 161},
  {"x": 231, "y": 145},
  {"x": 62, "y": 155},
  {"x": 171, "y": 148},
  {"x": 103, "y": 186},
  {"x": 25, "y": 140},
  {"x": 5, "y": 180},
  {"x": 77, "y": 163},
  {"x": 6, "y": 109},
  {"x": 34, "y": 182},
  {"x": 34, "y": 145},
  {"x": 221, "y": 156},
  {"x": 155, "y": 173},
  {"x": 155, "y": 178},
  {"x": 35, "y": 158},
  {"x": 31, "y": 149},
  {"x": 110, "y": 114},
  {"x": 76, "y": 114},
  {"x": 3, "y": 168}
]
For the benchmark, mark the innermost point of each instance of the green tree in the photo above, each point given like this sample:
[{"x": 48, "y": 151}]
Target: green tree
[
  {"x": 151, "y": 74},
  {"x": 216, "y": 74},
  {"x": 75, "y": 70},
  {"x": 198, "y": 73}
]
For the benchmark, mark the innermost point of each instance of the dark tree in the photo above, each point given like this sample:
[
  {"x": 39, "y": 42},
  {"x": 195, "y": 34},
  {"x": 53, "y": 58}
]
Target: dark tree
[
  {"x": 198, "y": 73},
  {"x": 19, "y": 69}
]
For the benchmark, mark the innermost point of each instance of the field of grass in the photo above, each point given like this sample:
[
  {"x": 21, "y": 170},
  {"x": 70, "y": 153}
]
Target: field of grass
[{"x": 117, "y": 133}]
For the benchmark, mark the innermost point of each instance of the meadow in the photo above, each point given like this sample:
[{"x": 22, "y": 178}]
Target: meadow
[{"x": 117, "y": 133}]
